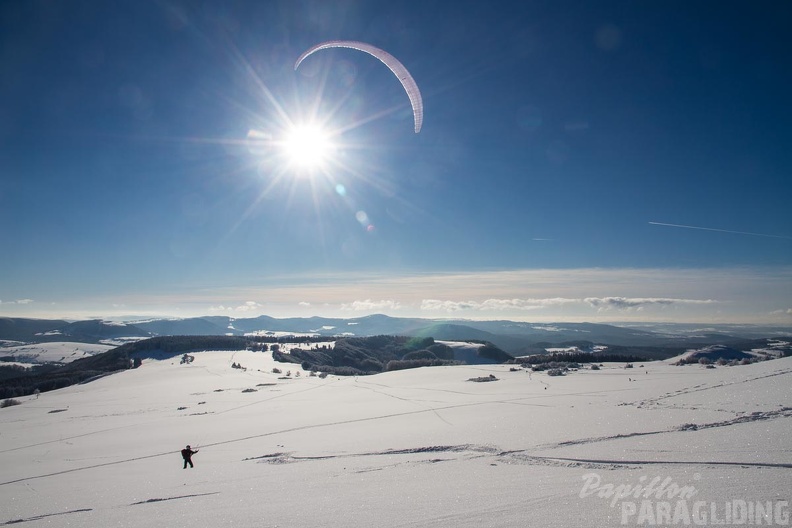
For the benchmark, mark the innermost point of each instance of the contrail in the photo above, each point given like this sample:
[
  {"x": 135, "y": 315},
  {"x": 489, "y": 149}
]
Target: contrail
[{"x": 721, "y": 230}]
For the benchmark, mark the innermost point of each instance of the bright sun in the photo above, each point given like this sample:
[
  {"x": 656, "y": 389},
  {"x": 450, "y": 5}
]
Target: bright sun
[{"x": 307, "y": 147}]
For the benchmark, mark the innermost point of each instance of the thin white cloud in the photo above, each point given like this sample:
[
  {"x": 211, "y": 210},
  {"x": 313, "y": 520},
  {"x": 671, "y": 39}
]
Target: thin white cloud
[
  {"x": 602, "y": 303},
  {"x": 18, "y": 301},
  {"x": 710, "y": 295},
  {"x": 621, "y": 303},
  {"x": 433, "y": 305},
  {"x": 436, "y": 305},
  {"x": 369, "y": 305},
  {"x": 249, "y": 306}
]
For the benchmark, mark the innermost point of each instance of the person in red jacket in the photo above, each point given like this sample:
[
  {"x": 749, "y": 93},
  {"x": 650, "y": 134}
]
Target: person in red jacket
[{"x": 187, "y": 454}]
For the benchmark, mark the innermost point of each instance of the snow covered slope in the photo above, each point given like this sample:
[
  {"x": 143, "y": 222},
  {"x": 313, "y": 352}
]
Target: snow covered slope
[
  {"x": 420, "y": 447},
  {"x": 57, "y": 352}
]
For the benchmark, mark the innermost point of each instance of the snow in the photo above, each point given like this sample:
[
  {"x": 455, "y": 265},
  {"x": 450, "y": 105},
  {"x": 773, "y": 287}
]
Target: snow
[
  {"x": 118, "y": 341},
  {"x": 55, "y": 352},
  {"x": 461, "y": 345},
  {"x": 278, "y": 333},
  {"x": 420, "y": 447},
  {"x": 306, "y": 346},
  {"x": 562, "y": 349}
]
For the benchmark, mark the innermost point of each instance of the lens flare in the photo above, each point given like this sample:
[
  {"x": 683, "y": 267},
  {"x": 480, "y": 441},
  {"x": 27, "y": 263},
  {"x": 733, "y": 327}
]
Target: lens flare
[{"x": 307, "y": 146}]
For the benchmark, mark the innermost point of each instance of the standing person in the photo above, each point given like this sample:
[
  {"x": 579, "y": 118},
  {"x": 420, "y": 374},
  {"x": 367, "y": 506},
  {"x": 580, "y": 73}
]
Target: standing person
[{"x": 187, "y": 454}]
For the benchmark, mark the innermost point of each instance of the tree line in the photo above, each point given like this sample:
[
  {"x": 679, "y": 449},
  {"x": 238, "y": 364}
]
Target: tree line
[{"x": 374, "y": 354}]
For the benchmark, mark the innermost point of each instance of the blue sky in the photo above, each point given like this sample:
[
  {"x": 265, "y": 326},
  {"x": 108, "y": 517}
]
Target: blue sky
[{"x": 570, "y": 154}]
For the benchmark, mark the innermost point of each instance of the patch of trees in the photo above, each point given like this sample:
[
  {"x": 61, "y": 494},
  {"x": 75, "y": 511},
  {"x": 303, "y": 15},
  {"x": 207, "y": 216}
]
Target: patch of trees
[
  {"x": 174, "y": 345},
  {"x": 562, "y": 366},
  {"x": 723, "y": 355},
  {"x": 49, "y": 377},
  {"x": 285, "y": 339},
  {"x": 577, "y": 357},
  {"x": 482, "y": 379},
  {"x": 18, "y": 371},
  {"x": 59, "y": 379},
  {"x": 490, "y": 351},
  {"x": 8, "y": 403},
  {"x": 416, "y": 363},
  {"x": 374, "y": 354},
  {"x": 721, "y": 362},
  {"x": 613, "y": 352},
  {"x": 641, "y": 353}
]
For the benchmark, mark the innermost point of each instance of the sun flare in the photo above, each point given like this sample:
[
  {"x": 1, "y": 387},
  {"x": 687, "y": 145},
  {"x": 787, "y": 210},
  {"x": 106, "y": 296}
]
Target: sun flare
[{"x": 307, "y": 147}]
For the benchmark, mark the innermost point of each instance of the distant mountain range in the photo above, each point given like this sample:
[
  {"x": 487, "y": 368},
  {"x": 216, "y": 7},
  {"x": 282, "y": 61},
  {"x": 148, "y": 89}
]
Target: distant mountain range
[{"x": 515, "y": 338}]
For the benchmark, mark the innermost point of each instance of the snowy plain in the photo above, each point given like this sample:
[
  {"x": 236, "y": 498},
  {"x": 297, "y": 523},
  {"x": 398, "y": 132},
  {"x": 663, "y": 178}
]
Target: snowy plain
[
  {"x": 422, "y": 447},
  {"x": 55, "y": 352}
]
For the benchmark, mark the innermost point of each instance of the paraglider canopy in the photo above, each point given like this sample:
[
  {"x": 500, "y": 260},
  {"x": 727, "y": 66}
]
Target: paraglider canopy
[{"x": 386, "y": 58}]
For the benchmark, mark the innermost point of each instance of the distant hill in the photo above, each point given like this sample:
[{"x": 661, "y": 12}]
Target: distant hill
[
  {"x": 19, "y": 329},
  {"x": 370, "y": 355},
  {"x": 419, "y": 344},
  {"x": 453, "y": 332},
  {"x": 192, "y": 326},
  {"x": 348, "y": 356},
  {"x": 516, "y": 338}
]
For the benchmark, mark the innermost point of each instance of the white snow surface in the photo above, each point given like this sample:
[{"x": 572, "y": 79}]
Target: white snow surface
[
  {"x": 55, "y": 352},
  {"x": 462, "y": 345},
  {"x": 409, "y": 448}
]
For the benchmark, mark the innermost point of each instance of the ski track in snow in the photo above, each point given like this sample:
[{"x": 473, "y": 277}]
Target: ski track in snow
[
  {"x": 480, "y": 515},
  {"x": 704, "y": 387},
  {"x": 470, "y": 452},
  {"x": 149, "y": 501},
  {"x": 784, "y": 412},
  {"x": 44, "y": 516}
]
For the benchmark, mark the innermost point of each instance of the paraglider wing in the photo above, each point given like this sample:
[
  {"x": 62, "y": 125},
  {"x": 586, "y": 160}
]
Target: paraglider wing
[{"x": 388, "y": 60}]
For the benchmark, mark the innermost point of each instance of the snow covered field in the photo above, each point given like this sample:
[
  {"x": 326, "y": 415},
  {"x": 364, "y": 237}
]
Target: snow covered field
[
  {"x": 56, "y": 352},
  {"x": 655, "y": 445}
]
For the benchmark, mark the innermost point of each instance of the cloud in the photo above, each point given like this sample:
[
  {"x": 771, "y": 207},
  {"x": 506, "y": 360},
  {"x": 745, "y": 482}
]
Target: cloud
[
  {"x": 18, "y": 301},
  {"x": 601, "y": 303},
  {"x": 626, "y": 303},
  {"x": 248, "y": 306},
  {"x": 709, "y": 295},
  {"x": 433, "y": 305},
  {"x": 368, "y": 305}
]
